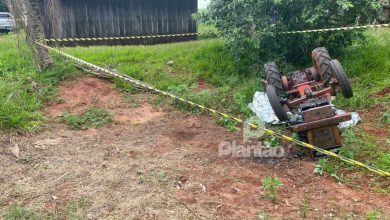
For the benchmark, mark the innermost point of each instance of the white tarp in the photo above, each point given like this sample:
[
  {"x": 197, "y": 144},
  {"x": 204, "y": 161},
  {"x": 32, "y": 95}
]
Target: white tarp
[
  {"x": 352, "y": 123},
  {"x": 263, "y": 109}
]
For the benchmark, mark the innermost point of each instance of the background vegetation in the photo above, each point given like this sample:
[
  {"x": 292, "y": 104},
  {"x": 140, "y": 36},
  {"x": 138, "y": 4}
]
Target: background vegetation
[
  {"x": 3, "y": 7},
  {"x": 247, "y": 26}
]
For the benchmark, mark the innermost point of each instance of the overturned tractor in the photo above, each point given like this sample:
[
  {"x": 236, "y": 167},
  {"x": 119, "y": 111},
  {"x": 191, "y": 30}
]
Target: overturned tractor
[{"x": 307, "y": 95}]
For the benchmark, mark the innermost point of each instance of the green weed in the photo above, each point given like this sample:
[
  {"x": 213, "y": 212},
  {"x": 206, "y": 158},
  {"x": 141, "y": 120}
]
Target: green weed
[
  {"x": 375, "y": 215},
  {"x": 160, "y": 177},
  {"x": 91, "y": 118},
  {"x": 272, "y": 141},
  {"x": 383, "y": 162},
  {"x": 155, "y": 177},
  {"x": 270, "y": 185},
  {"x": 304, "y": 206},
  {"x": 324, "y": 166},
  {"x": 263, "y": 215},
  {"x": 228, "y": 123},
  {"x": 360, "y": 145},
  {"x": 386, "y": 118},
  {"x": 74, "y": 210},
  {"x": 19, "y": 212}
]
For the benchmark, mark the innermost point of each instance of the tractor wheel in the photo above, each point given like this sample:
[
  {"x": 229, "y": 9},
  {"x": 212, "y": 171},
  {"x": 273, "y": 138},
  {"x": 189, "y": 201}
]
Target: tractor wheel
[
  {"x": 314, "y": 74},
  {"x": 321, "y": 61},
  {"x": 342, "y": 79},
  {"x": 276, "y": 104},
  {"x": 273, "y": 77}
]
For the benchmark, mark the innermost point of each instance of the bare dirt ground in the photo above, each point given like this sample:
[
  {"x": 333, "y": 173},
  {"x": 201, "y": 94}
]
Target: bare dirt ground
[{"x": 154, "y": 163}]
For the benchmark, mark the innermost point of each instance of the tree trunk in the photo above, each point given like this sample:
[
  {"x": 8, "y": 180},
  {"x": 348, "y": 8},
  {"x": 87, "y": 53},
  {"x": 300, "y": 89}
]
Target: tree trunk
[{"x": 35, "y": 32}]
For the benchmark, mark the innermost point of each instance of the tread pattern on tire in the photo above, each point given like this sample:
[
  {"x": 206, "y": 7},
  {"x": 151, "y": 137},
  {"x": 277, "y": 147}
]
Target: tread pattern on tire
[
  {"x": 322, "y": 58},
  {"x": 342, "y": 79},
  {"x": 273, "y": 77},
  {"x": 277, "y": 106}
]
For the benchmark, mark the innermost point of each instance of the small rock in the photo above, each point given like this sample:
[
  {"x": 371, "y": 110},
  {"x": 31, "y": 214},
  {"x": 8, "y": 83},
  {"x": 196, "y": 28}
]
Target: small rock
[
  {"x": 43, "y": 144},
  {"x": 203, "y": 188},
  {"x": 235, "y": 190},
  {"x": 90, "y": 215},
  {"x": 15, "y": 150}
]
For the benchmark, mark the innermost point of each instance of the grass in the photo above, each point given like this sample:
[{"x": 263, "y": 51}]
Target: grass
[
  {"x": 368, "y": 66},
  {"x": 364, "y": 147},
  {"x": 23, "y": 89},
  {"x": 198, "y": 61},
  {"x": 375, "y": 215},
  {"x": 74, "y": 210},
  {"x": 91, "y": 118},
  {"x": 19, "y": 212},
  {"x": 386, "y": 118}
]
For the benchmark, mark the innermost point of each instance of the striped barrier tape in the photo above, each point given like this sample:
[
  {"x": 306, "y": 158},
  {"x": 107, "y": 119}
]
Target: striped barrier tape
[
  {"x": 209, "y": 33},
  {"x": 126, "y": 38},
  {"x": 254, "y": 126},
  {"x": 335, "y": 29}
]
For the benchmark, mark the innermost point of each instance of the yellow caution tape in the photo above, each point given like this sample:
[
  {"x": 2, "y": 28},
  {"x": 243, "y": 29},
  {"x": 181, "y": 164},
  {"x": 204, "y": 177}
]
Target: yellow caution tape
[
  {"x": 127, "y": 38},
  {"x": 210, "y": 33},
  {"x": 334, "y": 29},
  {"x": 270, "y": 132}
]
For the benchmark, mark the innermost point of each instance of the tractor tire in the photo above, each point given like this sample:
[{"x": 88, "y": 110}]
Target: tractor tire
[
  {"x": 321, "y": 61},
  {"x": 315, "y": 75},
  {"x": 273, "y": 77},
  {"x": 342, "y": 79},
  {"x": 276, "y": 104}
]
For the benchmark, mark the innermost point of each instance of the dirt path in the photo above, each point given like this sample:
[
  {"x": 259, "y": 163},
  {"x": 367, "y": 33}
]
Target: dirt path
[{"x": 157, "y": 164}]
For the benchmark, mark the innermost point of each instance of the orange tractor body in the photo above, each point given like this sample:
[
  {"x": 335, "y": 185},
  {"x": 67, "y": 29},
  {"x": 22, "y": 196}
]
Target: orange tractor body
[{"x": 307, "y": 95}]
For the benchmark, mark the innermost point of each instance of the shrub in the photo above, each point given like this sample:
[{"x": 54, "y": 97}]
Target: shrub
[
  {"x": 247, "y": 26},
  {"x": 91, "y": 118}
]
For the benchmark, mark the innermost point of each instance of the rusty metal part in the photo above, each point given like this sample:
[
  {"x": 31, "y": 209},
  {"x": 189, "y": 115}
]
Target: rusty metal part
[
  {"x": 298, "y": 77},
  {"x": 319, "y": 113},
  {"x": 322, "y": 123},
  {"x": 296, "y": 102},
  {"x": 286, "y": 86},
  {"x": 329, "y": 138},
  {"x": 313, "y": 85},
  {"x": 326, "y": 137},
  {"x": 314, "y": 103}
]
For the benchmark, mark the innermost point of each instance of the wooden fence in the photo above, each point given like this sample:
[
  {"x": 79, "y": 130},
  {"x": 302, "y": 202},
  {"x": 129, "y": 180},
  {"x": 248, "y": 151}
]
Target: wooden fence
[{"x": 113, "y": 18}]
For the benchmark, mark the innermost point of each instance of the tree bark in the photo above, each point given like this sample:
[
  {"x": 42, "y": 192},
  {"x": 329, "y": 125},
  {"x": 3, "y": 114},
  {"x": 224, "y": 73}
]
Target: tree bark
[{"x": 35, "y": 32}]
